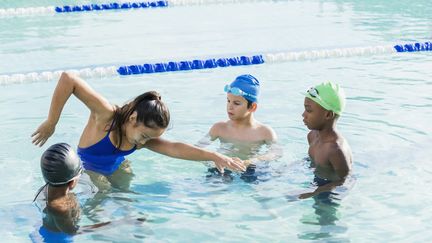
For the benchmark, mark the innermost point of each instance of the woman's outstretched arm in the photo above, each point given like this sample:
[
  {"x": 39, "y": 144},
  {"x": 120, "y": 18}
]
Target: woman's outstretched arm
[{"x": 190, "y": 152}]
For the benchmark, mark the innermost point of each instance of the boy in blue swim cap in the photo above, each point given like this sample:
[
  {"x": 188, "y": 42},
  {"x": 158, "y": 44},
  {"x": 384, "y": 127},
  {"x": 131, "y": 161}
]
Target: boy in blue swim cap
[
  {"x": 242, "y": 102},
  {"x": 329, "y": 151},
  {"x": 242, "y": 129}
]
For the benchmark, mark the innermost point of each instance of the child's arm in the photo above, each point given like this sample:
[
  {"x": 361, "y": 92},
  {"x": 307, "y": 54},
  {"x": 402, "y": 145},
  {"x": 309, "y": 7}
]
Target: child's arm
[
  {"x": 110, "y": 224},
  {"x": 340, "y": 163},
  {"x": 190, "y": 152},
  {"x": 211, "y": 136},
  {"x": 341, "y": 166},
  {"x": 274, "y": 152},
  {"x": 216, "y": 130},
  {"x": 67, "y": 85},
  {"x": 204, "y": 142}
]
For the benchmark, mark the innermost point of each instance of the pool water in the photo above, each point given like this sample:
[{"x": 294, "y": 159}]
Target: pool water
[{"x": 387, "y": 120}]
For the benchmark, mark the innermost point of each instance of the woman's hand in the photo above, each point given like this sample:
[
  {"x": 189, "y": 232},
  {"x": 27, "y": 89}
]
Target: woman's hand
[
  {"x": 42, "y": 133},
  {"x": 223, "y": 161}
]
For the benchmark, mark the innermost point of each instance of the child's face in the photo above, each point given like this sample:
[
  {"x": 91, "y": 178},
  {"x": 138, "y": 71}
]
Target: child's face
[
  {"x": 138, "y": 134},
  {"x": 237, "y": 107},
  {"x": 313, "y": 115}
]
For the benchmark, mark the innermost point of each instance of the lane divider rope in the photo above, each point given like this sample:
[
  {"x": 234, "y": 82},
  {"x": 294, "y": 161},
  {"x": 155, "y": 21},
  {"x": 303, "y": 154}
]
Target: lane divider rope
[
  {"x": 122, "y": 5},
  {"x": 210, "y": 63}
]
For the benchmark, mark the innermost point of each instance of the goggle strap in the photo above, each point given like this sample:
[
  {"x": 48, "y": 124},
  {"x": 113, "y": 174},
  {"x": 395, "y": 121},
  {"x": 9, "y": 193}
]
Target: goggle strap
[{"x": 39, "y": 191}]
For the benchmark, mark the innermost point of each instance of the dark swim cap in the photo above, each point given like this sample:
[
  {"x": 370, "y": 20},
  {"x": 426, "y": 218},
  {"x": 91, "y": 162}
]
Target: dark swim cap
[{"x": 60, "y": 164}]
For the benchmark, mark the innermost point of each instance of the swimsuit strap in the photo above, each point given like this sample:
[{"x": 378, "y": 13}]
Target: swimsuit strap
[{"x": 109, "y": 130}]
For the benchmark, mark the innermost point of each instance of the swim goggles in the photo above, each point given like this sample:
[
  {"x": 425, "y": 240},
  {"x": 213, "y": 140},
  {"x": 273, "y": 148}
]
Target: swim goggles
[
  {"x": 312, "y": 91},
  {"x": 79, "y": 173},
  {"x": 237, "y": 91}
]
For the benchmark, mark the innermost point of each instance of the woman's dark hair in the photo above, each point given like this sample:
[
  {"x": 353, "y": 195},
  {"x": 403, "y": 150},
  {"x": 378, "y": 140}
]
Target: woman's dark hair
[{"x": 151, "y": 111}]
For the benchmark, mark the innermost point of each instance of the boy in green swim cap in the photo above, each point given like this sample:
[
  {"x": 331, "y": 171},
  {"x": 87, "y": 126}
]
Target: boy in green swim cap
[{"x": 329, "y": 151}]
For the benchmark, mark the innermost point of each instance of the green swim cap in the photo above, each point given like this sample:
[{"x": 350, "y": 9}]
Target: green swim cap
[{"x": 329, "y": 96}]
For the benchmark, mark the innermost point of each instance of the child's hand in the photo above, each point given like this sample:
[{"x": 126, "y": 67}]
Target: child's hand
[
  {"x": 42, "y": 133},
  {"x": 223, "y": 161},
  {"x": 306, "y": 195}
]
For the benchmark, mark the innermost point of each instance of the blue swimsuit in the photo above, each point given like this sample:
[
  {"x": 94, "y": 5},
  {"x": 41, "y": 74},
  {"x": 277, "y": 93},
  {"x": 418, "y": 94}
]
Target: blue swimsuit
[
  {"x": 103, "y": 157},
  {"x": 48, "y": 236}
]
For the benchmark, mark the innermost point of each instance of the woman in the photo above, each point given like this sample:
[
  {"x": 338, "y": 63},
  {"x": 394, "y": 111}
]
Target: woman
[{"x": 113, "y": 132}]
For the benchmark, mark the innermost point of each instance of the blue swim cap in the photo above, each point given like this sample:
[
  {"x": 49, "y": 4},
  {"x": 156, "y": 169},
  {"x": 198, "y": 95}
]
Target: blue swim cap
[{"x": 249, "y": 85}]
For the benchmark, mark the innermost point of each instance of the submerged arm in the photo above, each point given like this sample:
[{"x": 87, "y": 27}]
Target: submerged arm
[
  {"x": 205, "y": 141},
  {"x": 341, "y": 166},
  {"x": 210, "y": 136},
  {"x": 274, "y": 152},
  {"x": 112, "y": 224}
]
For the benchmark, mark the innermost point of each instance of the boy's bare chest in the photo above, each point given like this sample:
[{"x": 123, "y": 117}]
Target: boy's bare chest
[
  {"x": 243, "y": 135},
  {"x": 319, "y": 154}
]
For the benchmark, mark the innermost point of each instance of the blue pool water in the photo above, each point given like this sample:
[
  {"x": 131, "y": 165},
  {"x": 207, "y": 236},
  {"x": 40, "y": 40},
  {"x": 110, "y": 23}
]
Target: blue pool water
[{"x": 387, "y": 119}]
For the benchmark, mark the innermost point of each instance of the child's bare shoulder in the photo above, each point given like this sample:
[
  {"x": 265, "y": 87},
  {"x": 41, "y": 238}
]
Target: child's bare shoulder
[
  {"x": 218, "y": 128},
  {"x": 267, "y": 132},
  {"x": 220, "y": 125}
]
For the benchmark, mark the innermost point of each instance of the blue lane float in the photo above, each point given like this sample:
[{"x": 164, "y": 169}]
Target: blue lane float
[
  {"x": 190, "y": 65},
  {"x": 218, "y": 62},
  {"x": 110, "y": 6},
  {"x": 414, "y": 47}
]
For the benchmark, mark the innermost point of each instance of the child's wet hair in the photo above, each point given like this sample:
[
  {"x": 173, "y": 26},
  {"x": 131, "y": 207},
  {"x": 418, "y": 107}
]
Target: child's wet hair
[
  {"x": 151, "y": 111},
  {"x": 249, "y": 103}
]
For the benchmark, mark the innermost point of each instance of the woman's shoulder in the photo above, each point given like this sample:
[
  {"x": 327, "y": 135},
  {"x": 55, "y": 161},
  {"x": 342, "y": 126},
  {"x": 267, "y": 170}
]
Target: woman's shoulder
[{"x": 104, "y": 115}]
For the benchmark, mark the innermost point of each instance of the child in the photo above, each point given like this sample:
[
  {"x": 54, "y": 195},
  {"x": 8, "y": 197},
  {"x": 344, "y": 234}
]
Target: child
[
  {"x": 242, "y": 129},
  {"x": 61, "y": 169},
  {"x": 329, "y": 151},
  {"x": 242, "y": 102},
  {"x": 113, "y": 132}
]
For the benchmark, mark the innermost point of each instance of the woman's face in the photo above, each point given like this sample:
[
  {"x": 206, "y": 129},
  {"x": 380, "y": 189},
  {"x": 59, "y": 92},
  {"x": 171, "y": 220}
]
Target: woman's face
[{"x": 138, "y": 134}]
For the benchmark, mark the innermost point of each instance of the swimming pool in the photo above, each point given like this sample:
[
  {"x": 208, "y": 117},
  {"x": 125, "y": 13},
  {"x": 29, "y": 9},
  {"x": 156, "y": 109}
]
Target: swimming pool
[{"x": 386, "y": 121}]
